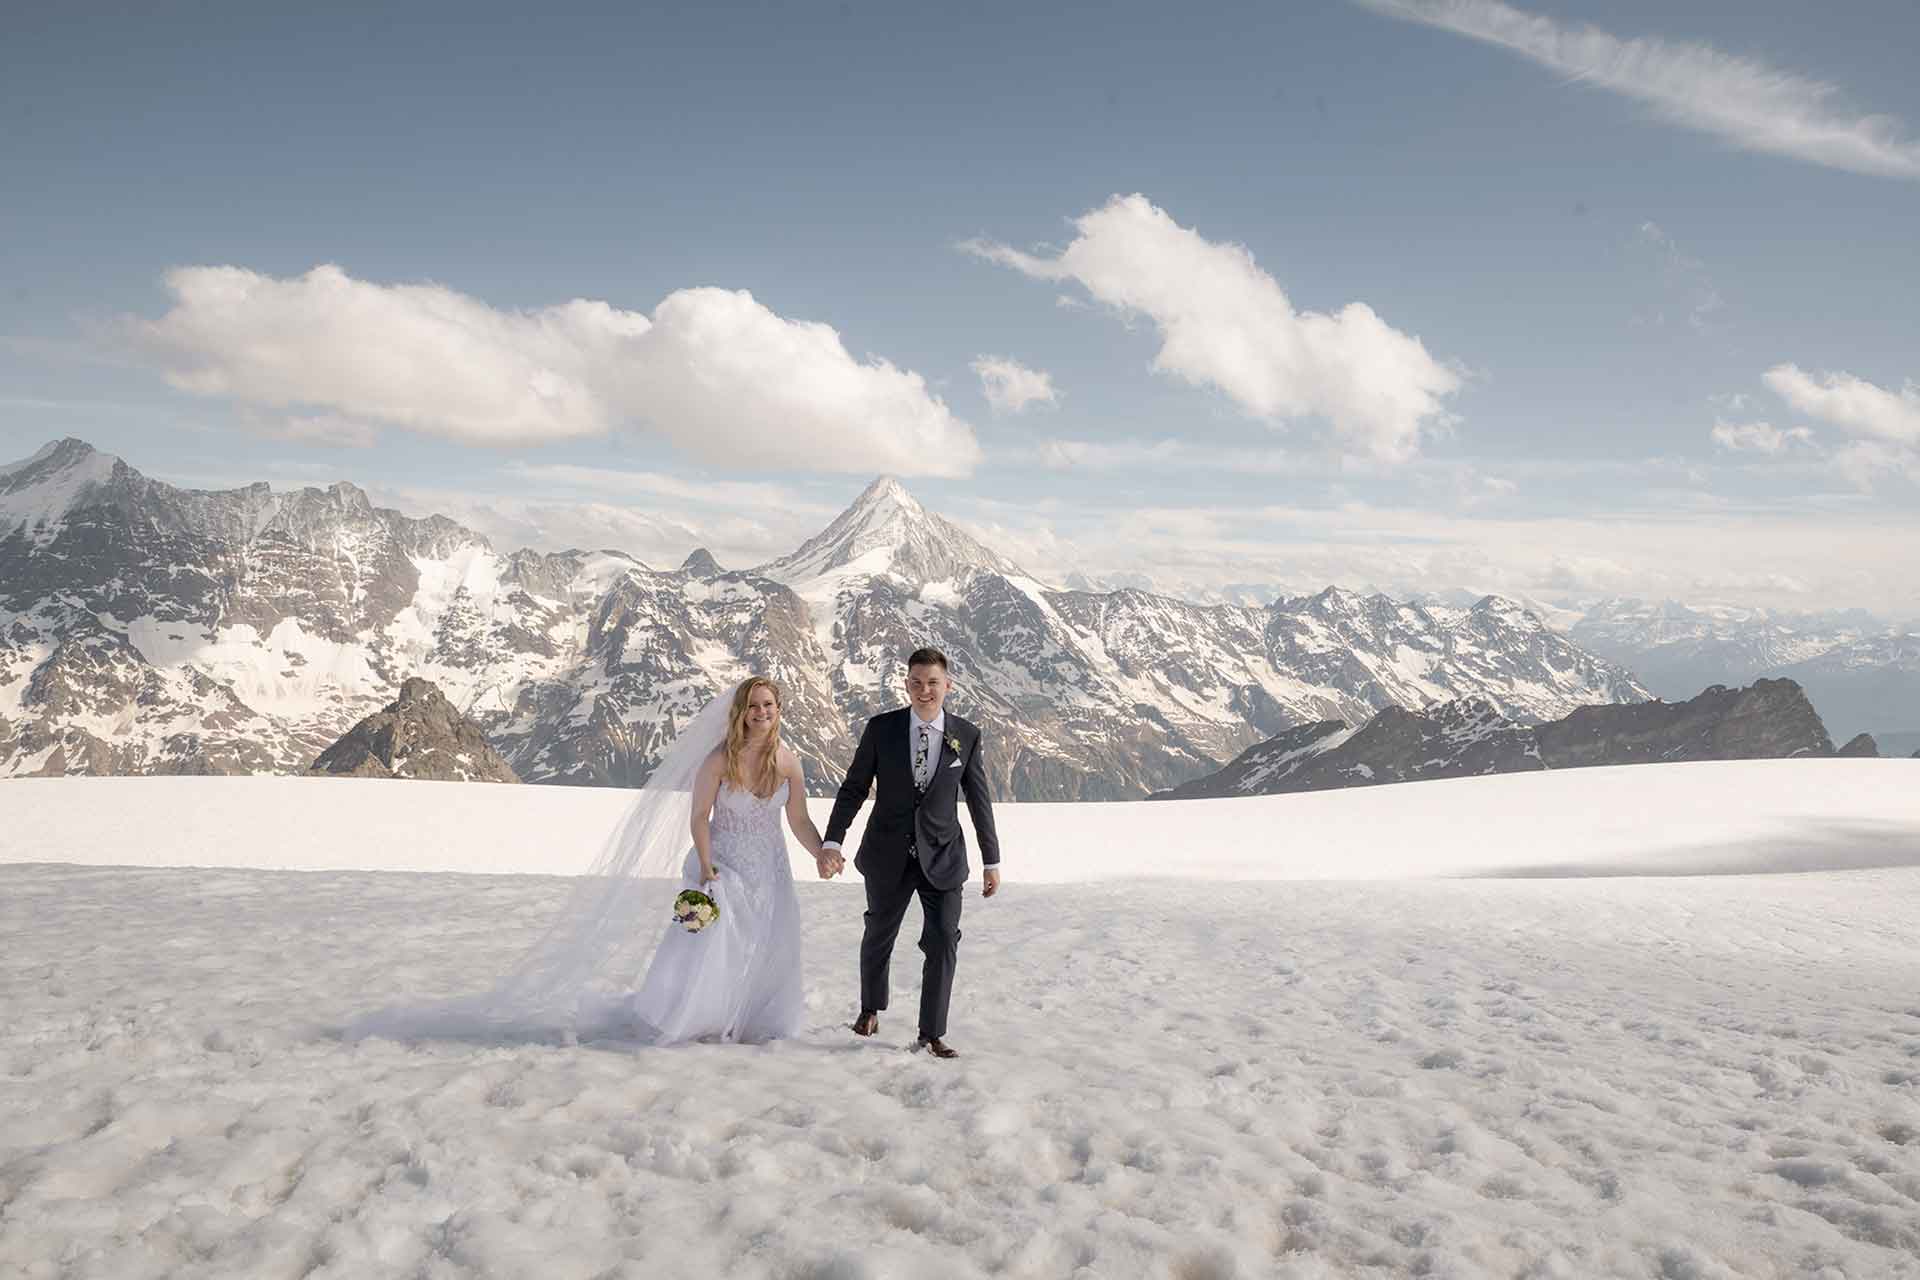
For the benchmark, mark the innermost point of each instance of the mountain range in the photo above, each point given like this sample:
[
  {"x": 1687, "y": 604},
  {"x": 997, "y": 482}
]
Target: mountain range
[
  {"x": 1861, "y": 673},
  {"x": 146, "y": 628},
  {"x": 1770, "y": 720}
]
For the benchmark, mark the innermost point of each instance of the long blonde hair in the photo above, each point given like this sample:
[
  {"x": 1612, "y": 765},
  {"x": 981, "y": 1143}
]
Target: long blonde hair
[{"x": 736, "y": 770}]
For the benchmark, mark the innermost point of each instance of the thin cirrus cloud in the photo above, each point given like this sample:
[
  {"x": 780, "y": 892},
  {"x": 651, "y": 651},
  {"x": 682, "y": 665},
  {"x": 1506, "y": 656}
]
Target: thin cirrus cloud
[
  {"x": 1740, "y": 100},
  {"x": 713, "y": 371},
  {"x": 1225, "y": 323},
  {"x": 1010, "y": 386}
]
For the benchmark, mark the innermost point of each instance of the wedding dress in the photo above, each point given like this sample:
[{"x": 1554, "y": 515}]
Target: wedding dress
[{"x": 738, "y": 978}]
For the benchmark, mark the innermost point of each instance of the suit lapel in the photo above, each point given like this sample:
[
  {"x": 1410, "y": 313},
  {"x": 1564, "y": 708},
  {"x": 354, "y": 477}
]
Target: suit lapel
[{"x": 944, "y": 756}]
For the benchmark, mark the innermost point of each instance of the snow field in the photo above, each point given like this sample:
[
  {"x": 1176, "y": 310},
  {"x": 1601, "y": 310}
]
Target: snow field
[
  {"x": 1714, "y": 817},
  {"x": 1698, "y": 1077},
  {"x": 1303, "y": 1036}
]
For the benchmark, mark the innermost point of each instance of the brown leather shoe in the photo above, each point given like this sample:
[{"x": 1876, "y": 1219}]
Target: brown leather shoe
[
  {"x": 936, "y": 1046},
  {"x": 867, "y": 1023}
]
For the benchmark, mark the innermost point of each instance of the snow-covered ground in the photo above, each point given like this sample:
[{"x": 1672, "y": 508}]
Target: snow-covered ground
[
  {"x": 1750, "y": 815},
  {"x": 1329, "y": 1045}
]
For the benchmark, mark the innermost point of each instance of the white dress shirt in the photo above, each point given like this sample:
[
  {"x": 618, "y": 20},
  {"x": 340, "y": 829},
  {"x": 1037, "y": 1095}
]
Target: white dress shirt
[{"x": 935, "y": 729}]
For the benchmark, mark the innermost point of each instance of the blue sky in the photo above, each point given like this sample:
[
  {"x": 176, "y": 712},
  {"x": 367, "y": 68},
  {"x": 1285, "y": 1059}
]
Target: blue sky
[{"x": 1561, "y": 299}]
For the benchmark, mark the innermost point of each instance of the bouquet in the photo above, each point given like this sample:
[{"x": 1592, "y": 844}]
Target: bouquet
[{"x": 694, "y": 910}]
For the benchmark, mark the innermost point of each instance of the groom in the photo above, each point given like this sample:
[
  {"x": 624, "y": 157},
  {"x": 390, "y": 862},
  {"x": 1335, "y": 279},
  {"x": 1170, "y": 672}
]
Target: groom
[{"x": 923, "y": 759}]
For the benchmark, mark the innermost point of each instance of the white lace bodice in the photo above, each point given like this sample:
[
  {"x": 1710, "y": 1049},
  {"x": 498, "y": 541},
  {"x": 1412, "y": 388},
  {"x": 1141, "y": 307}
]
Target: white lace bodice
[
  {"x": 746, "y": 835},
  {"x": 738, "y": 812}
]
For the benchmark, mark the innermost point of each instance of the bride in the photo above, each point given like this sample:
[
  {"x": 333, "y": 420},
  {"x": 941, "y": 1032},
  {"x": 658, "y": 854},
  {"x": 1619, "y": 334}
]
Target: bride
[
  {"x": 724, "y": 782},
  {"x": 739, "y": 978}
]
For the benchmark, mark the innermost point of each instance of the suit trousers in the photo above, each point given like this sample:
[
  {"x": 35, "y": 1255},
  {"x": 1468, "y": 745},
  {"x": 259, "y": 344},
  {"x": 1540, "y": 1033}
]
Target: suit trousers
[{"x": 887, "y": 904}]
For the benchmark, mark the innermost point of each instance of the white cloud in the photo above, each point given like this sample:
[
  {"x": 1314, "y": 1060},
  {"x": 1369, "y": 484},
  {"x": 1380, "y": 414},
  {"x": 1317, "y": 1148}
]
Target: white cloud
[
  {"x": 1794, "y": 552},
  {"x": 711, "y": 370},
  {"x": 1010, "y": 386},
  {"x": 1741, "y": 100},
  {"x": 320, "y": 428},
  {"x": 1226, "y": 323},
  {"x": 1865, "y": 462},
  {"x": 1056, "y": 454},
  {"x": 1851, "y": 403},
  {"x": 615, "y": 482},
  {"x": 658, "y": 537},
  {"x": 1758, "y": 437},
  {"x": 1883, "y": 425}
]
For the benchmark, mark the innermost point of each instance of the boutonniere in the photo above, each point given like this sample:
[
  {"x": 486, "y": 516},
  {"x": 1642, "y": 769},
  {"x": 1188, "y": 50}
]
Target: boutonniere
[{"x": 953, "y": 743}]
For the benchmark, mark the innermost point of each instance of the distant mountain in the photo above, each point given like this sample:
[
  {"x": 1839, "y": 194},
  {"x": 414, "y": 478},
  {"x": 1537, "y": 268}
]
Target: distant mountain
[
  {"x": 146, "y": 628},
  {"x": 417, "y": 735},
  {"x": 1470, "y": 737},
  {"x": 1861, "y": 673},
  {"x": 1871, "y": 683}
]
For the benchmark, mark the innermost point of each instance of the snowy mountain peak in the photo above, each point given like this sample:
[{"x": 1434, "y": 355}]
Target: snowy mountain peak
[
  {"x": 886, "y": 532},
  {"x": 37, "y": 492},
  {"x": 885, "y": 490},
  {"x": 1508, "y": 611},
  {"x": 701, "y": 564},
  {"x": 63, "y": 452}
]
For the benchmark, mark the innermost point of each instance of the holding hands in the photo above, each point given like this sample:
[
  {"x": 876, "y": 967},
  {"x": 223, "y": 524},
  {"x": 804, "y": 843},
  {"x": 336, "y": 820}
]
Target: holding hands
[{"x": 830, "y": 863}]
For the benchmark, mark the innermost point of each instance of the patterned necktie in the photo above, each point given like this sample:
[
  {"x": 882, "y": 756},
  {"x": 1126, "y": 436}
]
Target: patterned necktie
[{"x": 920, "y": 760}]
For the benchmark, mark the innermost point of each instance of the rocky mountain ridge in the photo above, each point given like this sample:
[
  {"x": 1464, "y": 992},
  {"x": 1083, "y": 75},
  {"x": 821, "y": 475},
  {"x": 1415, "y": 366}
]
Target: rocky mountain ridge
[{"x": 1771, "y": 719}]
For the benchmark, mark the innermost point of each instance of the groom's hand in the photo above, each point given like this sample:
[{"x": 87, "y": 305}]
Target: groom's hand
[{"x": 993, "y": 882}]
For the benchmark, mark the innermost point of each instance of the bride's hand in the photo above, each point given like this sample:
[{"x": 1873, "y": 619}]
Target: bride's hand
[{"x": 708, "y": 875}]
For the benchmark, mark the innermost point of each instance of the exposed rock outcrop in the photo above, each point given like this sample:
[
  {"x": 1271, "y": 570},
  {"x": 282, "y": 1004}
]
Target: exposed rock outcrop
[
  {"x": 1770, "y": 719},
  {"x": 1767, "y": 720},
  {"x": 417, "y": 735}
]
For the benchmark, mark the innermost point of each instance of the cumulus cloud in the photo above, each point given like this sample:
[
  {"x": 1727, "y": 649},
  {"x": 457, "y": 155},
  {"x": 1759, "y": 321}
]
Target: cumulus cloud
[
  {"x": 1227, "y": 324},
  {"x": 1744, "y": 101},
  {"x": 1851, "y": 403},
  {"x": 1010, "y": 386},
  {"x": 711, "y": 370},
  {"x": 1880, "y": 428},
  {"x": 1758, "y": 437}
]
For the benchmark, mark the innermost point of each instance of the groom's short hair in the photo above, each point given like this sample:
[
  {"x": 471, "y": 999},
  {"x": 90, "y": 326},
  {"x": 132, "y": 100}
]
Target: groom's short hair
[{"x": 927, "y": 656}]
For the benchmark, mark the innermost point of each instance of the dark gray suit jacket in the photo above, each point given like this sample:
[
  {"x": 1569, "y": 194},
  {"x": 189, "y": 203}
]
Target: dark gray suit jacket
[{"x": 928, "y": 820}]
